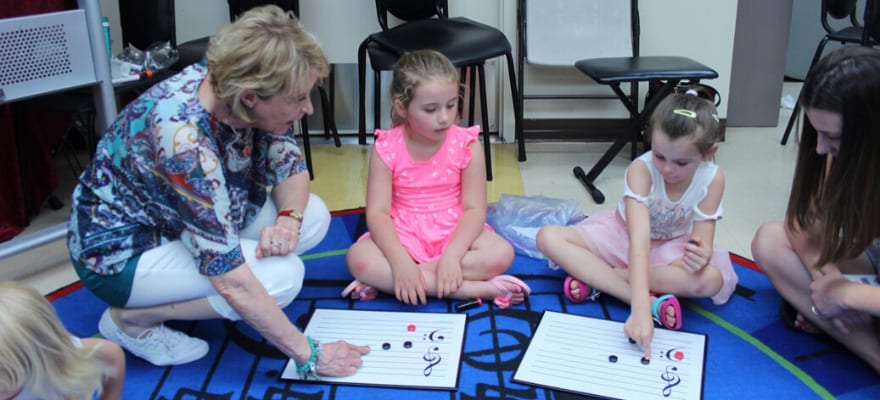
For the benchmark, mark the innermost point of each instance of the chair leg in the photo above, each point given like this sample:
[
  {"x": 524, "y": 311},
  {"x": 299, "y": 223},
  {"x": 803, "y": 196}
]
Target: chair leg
[
  {"x": 484, "y": 110},
  {"x": 517, "y": 109},
  {"x": 68, "y": 150},
  {"x": 377, "y": 100},
  {"x": 637, "y": 122},
  {"x": 324, "y": 105},
  {"x": 306, "y": 147},
  {"x": 462, "y": 75},
  {"x": 327, "y": 113},
  {"x": 636, "y": 133},
  {"x": 795, "y": 111},
  {"x": 472, "y": 94},
  {"x": 791, "y": 121},
  {"x": 362, "y": 92}
]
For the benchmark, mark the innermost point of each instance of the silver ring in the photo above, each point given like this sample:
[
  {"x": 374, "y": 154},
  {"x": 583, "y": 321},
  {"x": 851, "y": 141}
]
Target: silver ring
[
  {"x": 815, "y": 311},
  {"x": 276, "y": 244}
]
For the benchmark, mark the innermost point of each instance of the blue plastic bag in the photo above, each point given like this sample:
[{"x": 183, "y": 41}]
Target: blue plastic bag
[{"x": 518, "y": 219}]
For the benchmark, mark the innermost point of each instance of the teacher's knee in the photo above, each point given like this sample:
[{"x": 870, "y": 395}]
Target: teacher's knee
[
  {"x": 316, "y": 223},
  {"x": 285, "y": 280}
]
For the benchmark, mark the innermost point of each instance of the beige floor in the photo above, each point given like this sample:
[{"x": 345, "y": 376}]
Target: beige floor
[
  {"x": 349, "y": 164},
  {"x": 758, "y": 171}
]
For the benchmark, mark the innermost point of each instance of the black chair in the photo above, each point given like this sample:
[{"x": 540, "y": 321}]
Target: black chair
[
  {"x": 147, "y": 22},
  {"x": 854, "y": 33},
  {"x": 467, "y": 43},
  {"x": 665, "y": 72}
]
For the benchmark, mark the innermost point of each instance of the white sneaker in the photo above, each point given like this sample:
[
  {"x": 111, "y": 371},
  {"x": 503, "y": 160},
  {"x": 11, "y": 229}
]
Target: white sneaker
[{"x": 159, "y": 346}]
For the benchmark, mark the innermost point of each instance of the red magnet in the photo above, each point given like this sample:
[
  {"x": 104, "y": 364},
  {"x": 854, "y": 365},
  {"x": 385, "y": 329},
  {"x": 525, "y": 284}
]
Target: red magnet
[{"x": 411, "y": 328}]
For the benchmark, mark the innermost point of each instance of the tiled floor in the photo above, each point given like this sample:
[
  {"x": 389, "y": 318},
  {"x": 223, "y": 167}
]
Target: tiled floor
[{"x": 757, "y": 168}]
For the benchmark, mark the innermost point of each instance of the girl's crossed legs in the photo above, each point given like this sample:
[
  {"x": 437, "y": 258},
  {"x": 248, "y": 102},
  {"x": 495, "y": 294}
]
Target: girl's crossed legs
[
  {"x": 489, "y": 256},
  {"x": 782, "y": 262},
  {"x": 577, "y": 255}
]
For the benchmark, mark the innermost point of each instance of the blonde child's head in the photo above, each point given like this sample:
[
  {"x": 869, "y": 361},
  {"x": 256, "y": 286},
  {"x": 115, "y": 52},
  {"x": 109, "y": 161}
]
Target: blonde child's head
[
  {"x": 687, "y": 116},
  {"x": 412, "y": 70},
  {"x": 38, "y": 352}
]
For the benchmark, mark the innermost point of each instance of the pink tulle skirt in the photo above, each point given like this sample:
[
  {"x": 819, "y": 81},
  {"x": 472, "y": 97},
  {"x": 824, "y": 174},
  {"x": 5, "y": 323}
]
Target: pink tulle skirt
[{"x": 606, "y": 236}]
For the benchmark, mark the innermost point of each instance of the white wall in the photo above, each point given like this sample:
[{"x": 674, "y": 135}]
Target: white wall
[
  {"x": 195, "y": 19},
  {"x": 699, "y": 29},
  {"x": 198, "y": 18}
]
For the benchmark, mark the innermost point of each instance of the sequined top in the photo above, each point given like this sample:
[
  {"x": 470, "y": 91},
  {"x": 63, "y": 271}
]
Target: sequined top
[{"x": 669, "y": 218}]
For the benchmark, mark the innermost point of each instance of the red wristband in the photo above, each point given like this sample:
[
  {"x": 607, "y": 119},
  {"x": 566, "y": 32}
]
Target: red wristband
[{"x": 291, "y": 214}]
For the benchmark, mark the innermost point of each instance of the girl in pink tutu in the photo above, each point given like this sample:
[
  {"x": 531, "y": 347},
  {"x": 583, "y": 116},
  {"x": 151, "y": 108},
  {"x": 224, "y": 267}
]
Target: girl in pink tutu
[
  {"x": 660, "y": 238},
  {"x": 426, "y": 200}
]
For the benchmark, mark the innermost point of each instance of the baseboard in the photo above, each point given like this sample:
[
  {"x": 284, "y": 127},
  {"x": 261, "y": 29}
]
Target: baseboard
[
  {"x": 545, "y": 129},
  {"x": 581, "y": 129}
]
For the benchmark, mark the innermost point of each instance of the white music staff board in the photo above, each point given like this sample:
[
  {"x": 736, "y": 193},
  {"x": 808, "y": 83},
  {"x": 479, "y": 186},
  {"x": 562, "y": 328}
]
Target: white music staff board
[
  {"x": 407, "y": 349},
  {"x": 592, "y": 356}
]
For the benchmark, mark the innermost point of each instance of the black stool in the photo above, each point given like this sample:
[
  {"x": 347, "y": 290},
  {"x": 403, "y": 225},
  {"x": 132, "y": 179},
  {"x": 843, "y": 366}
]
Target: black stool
[{"x": 613, "y": 71}]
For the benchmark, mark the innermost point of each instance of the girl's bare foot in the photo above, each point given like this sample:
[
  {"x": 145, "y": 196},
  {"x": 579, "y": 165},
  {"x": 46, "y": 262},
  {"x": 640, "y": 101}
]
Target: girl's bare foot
[
  {"x": 357, "y": 290},
  {"x": 512, "y": 290}
]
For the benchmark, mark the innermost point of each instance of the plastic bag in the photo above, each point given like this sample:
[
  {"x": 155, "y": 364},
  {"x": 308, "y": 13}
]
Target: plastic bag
[
  {"x": 518, "y": 219},
  {"x": 159, "y": 56},
  {"x": 132, "y": 55}
]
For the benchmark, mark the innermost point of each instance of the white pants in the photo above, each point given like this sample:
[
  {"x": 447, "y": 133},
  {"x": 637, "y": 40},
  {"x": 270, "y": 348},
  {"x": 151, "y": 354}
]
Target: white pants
[{"x": 168, "y": 273}]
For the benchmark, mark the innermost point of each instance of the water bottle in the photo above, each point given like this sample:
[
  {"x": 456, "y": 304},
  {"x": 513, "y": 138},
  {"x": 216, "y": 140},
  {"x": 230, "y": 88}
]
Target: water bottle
[{"x": 105, "y": 23}]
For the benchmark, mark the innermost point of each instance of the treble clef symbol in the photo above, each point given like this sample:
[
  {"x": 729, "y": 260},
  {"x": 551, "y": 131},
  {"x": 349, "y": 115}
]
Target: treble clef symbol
[
  {"x": 432, "y": 359},
  {"x": 671, "y": 378}
]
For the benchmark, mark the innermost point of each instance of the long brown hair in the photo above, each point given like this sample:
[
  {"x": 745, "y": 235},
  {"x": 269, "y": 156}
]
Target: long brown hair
[{"x": 836, "y": 203}]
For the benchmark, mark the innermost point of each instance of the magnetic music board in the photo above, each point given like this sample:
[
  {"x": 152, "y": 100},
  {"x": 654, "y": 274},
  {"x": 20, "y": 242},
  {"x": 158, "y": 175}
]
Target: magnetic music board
[
  {"x": 407, "y": 349},
  {"x": 592, "y": 356}
]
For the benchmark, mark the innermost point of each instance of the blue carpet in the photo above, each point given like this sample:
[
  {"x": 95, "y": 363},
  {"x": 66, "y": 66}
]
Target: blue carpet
[{"x": 751, "y": 355}]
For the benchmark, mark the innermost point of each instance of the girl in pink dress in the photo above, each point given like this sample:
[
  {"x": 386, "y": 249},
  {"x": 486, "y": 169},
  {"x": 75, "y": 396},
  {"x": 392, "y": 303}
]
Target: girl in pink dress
[{"x": 426, "y": 200}]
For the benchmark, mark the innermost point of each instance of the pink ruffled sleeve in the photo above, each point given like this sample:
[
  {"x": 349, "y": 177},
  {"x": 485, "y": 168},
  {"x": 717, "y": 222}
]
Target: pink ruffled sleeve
[
  {"x": 387, "y": 145},
  {"x": 466, "y": 136}
]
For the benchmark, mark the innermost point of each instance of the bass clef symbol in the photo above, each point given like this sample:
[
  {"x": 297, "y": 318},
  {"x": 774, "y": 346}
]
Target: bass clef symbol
[{"x": 671, "y": 378}]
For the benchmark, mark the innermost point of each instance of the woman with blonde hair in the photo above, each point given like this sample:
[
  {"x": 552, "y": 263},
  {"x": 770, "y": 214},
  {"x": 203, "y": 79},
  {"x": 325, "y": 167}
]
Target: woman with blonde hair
[
  {"x": 197, "y": 202},
  {"x": 42, "y": 360}
]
